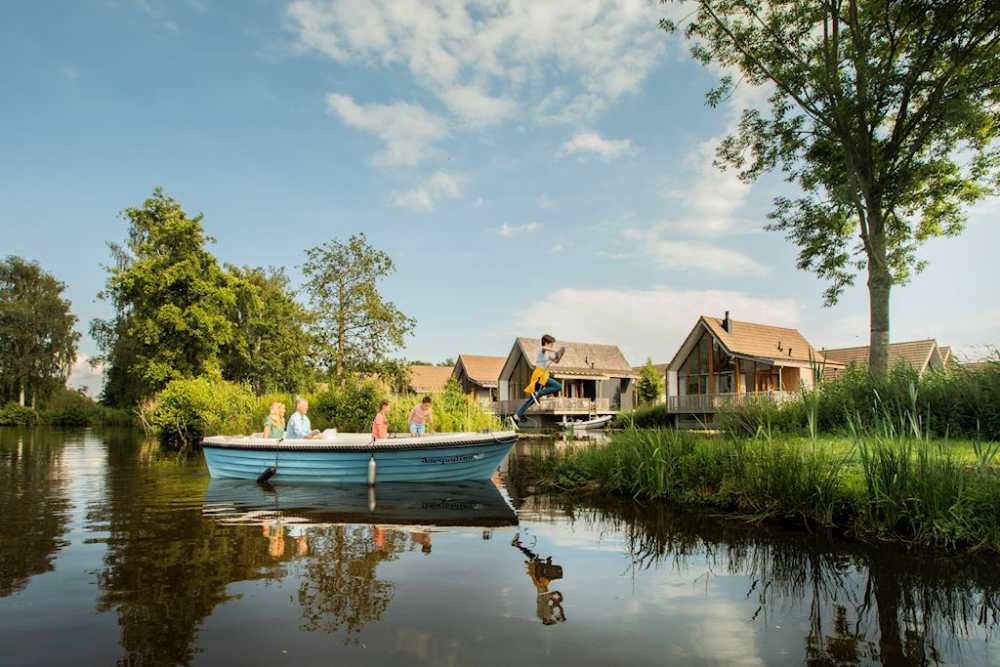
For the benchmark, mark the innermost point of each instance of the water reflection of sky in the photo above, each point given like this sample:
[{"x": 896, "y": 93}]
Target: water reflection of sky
[{"x": 147, "y": 562}]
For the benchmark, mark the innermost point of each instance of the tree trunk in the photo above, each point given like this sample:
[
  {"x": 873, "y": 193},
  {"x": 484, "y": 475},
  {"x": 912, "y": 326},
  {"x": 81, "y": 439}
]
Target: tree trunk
[
  {"x": 879, "y": 286},
  {"x": 20, "y": 391},
  {"x": 341, "y": 330}
]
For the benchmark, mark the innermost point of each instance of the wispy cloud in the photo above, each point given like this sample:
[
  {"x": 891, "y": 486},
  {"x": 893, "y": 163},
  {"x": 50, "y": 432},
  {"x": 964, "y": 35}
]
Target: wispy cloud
[
  {"x": 485, "y": 62},
  {"x": 584, "y": 143},
  {"x": 408, "y": 130},
  {"x": 678, "y": 255},
  {"x": 441, "y": 185},
  {"x": 508, "y": 231}
]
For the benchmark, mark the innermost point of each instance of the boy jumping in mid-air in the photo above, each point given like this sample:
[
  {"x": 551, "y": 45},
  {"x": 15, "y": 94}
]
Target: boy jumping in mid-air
[{"x": 542, "y": 383}]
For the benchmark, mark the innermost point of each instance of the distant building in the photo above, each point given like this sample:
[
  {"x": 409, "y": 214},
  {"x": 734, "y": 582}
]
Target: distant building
[
  {"x": 596, "y": 379},
  {"x": 922, "y": 355},
  {"x": 429, "y": 379},
  {"x": 726, "y": 361},
  {"x": 479, "y": 375}
]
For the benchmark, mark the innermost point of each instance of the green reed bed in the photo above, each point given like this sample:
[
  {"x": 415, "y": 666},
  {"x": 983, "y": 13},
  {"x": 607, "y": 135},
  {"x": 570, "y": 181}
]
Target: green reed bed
[{"x": 884, "y": 483}]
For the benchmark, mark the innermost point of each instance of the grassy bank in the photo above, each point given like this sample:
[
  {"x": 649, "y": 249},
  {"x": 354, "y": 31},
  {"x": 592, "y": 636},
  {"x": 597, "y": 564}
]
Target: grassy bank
[{"x": 883, "y": 482}]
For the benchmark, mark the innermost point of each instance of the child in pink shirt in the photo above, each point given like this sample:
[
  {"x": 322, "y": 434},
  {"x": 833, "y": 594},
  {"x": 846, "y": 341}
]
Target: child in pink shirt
[
  {"x": 380, "y": 426},
  {"x": 420, "y": 417}
]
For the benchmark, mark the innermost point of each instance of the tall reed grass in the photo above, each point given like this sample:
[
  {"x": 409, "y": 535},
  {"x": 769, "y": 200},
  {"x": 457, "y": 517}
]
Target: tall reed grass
[{"x": 895, "y": 482}]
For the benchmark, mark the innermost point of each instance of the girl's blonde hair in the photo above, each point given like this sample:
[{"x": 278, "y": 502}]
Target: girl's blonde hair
[{"x": 277, "y": 414}]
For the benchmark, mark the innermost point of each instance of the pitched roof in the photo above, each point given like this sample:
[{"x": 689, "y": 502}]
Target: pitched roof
[
  {"x": 581, "y": 358},
  {"x": 916, "y": 353},
  {"x": 429, "y": 378},
  {"x": 483, "y": 370},
  {"x": 762, "y": 341}
]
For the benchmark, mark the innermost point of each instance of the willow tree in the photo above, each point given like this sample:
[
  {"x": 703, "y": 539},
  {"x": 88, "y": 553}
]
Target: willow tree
[
  {"x": 355, "y": 328},
  {"x": 885, "y": 114}
]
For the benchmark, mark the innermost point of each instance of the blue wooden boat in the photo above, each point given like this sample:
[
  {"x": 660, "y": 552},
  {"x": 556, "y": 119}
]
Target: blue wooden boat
[
  {"x": 355, "y": 458},
  {"x": 477, "y": 504}
]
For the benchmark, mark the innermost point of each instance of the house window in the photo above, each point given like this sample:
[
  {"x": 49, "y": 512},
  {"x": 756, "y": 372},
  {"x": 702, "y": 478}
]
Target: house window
[{"x": 724, "y": 383}]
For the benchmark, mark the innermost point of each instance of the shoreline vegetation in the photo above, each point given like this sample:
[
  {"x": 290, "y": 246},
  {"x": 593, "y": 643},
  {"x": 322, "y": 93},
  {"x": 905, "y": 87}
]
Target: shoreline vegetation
[
  {"x": 188, "y": 410},
  {"x": 885, "y": 476}
]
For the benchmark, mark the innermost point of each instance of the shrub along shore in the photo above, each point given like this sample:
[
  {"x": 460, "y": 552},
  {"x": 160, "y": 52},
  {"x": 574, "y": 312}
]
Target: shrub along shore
[
  {"x": 188, "y": 410},
  {"x": 886, "y": 481}
]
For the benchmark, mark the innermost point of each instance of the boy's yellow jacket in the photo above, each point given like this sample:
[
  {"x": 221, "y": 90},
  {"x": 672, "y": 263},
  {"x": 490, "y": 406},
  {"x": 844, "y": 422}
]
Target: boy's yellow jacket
[{"x": 539, "y": 377}]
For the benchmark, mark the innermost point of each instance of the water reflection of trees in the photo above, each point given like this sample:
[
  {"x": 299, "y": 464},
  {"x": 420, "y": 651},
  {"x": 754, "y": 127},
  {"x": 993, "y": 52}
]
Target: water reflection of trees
[
  {"x": 34, "y": 506},
  {"x": 865, "y": 603},
  {"x": 339, "y": 589},
  {"x": 166, "y": 566}
]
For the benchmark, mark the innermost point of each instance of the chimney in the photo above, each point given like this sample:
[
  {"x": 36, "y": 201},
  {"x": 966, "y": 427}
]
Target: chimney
[{"x": 727, "y": 325}]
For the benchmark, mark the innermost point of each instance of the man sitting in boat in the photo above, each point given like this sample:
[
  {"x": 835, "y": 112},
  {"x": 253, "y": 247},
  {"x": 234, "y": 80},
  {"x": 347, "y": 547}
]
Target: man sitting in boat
[
  {"x": 541, "y": 383},
  {"x": 298, "y": 424}
]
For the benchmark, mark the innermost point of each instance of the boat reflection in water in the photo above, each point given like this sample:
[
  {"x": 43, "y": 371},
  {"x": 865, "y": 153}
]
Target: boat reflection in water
[
  {"x": 300, "y": 521},
  {"x": 473, "y": 504}
]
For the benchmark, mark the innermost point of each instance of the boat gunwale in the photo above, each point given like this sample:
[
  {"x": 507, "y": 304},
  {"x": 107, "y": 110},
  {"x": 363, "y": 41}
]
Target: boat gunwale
[{"x": 387, "y": 445}]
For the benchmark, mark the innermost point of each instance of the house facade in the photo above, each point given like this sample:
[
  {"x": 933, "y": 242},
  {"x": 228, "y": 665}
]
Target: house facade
[
  {"x": 726, "y": 361},
  {"x": 479, "y": 376},
  {"x": 596, "y": 380}
]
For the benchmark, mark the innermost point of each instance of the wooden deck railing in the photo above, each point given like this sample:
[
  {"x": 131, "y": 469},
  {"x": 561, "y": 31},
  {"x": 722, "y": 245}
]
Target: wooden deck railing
[
  {"x": 557, "y": 405},
  {"x": 713, "y": 402}
]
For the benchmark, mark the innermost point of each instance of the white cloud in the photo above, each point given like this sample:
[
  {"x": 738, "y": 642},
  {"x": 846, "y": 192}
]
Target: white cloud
[
  {"x": 713, "y": 199},
  {"x": 485, "y": 60},
  {"x": 441, "y": 185},
  {"x": 592, "y": 142},
  {"x": 475, "y": 108},
  {"x": 558, "y": 248},
  {"x": 408, "y": 130},
  {"x": 679, "y": 255},
  {"x": 83, "y": 376},
  {"x": 645, "y": 323},
  {"x": 509, "y": 231}
]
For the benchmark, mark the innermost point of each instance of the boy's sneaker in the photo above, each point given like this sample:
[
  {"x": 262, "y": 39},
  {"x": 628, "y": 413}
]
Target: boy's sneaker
[{"x": 515, "y": 420}]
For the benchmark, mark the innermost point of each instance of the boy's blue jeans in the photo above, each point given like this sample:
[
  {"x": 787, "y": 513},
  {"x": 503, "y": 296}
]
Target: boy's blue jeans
[{"x": 551, "y": 387}]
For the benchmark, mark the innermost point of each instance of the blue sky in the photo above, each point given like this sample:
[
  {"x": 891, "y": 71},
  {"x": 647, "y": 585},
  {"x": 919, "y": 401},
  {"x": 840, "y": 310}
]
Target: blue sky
[{"x": 532, "y": 166}]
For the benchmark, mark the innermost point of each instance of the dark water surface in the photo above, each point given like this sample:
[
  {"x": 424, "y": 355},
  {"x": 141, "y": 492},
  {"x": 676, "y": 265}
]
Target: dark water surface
[{"x": 114, "y": 553}]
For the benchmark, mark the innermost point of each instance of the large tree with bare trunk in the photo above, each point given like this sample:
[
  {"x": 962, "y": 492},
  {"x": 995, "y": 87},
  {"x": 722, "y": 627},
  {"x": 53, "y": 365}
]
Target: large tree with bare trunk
[{"x": 885, "y": 114}]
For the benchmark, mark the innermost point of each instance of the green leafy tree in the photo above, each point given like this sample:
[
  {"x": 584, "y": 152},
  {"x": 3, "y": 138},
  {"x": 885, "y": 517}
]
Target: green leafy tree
[
  {"x": 356, "y": 329},
  {"x": 885, "y": 114},
  {"x": 271, "y": 348},
  {"x": 173, "y": 304},
  {"x": 651, "y": 385},
  {"x": 37, "y": 338}
]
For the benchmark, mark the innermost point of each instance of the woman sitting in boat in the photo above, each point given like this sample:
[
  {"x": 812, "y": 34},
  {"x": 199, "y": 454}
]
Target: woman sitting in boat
[{"x": 274, "y": 423}]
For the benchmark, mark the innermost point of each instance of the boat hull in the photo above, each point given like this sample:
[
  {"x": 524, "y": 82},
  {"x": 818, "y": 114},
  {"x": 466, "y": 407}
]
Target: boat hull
[{"x": 400, "y": 461}]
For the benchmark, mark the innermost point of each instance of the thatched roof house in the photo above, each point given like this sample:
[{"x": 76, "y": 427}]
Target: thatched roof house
[
  {"x": 596, "y": 378},
  {"x": 922, "y": 355}
]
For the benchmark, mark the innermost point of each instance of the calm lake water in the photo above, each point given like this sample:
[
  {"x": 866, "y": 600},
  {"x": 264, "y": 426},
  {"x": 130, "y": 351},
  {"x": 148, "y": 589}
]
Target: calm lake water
[{"x": 113, "y": 553}]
